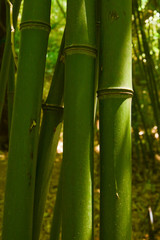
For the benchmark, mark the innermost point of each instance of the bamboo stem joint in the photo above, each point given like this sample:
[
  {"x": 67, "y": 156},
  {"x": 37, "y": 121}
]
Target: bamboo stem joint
[
  {"x": 35, "y": 25},
  {"x": 81, "y": 49},
  {"x": 115, "y": 92},
  {"x": 51, "y": 107}
]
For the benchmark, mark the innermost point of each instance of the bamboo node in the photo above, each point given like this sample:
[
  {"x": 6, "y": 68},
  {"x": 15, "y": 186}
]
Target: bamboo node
[
  {"x": 35, "y": 25},
  {"x": 81, "y": 49},
  {"x": 51, "y": 107},
  {"x": 115, "y": 92}
]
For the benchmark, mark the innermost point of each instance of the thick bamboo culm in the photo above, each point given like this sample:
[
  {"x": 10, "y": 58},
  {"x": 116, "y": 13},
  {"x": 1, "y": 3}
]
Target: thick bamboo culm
[
  {"x": 49, "y": 136},
  {"x": 77, "y": 170},
  {"x": 115, "y": 92},
  {"x": 19, "y": 197}
]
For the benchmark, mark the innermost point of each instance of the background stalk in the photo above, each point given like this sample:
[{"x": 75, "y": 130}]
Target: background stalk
[
  {"x": 2, "y": 27},
  {"x": 10, "y": 91},
  {"x": 149, "y": 65},
  {"x": 78, "y": 120},
  {"x": 115, "y": 91},
  {"x": 19, "y": 198},
  {"x": 49, "y": 136},
  {"x": 7, "y": 55}
]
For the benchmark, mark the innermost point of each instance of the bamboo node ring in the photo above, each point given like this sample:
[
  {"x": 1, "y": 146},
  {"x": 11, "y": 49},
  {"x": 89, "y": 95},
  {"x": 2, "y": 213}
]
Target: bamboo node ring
[
  {"x": 51, "y": 107},
  {"x": 35, "y": 25},
  {"x": 81, "y": 49},
  {"x": 115, "y": 92}
]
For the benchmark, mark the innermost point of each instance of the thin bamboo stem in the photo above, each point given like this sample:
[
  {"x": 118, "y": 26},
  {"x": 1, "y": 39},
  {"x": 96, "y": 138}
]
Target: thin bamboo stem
[
  {"x": 61, "y": 8},
  {"x": 2, "y": 28},
  {"x": 151, "y": 82},
  {"x": 10, "y": 91},
  {"x": 12, "y": 29},
  {"x": 145, "y": 127},
  {"x": 4, "y": 73},
  {"x": 49, "y": 136}
]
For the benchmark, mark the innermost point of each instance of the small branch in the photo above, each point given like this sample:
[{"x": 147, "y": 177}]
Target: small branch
[
  {"x": 61, "y": 8},
  {"x": 12, "y": 32}
]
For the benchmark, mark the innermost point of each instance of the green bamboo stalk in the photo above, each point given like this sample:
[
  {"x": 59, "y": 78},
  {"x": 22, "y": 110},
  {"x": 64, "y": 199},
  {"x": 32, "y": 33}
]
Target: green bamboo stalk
[
  {"x": 2, "y": 28},
  {"x": 148, "y": 67},
  {"x": 96, "y": 102},
  {"x": 150, "y": 63},
  {"x": 7, "y": 55},
  {"x": 78, "y": 120},
  {"x": 115, "y": 91},
  {"x": 139, "y": 144},
  {"x": 19, "y": 197},
  {"x": 61, "y": 8},
  {"x": 144, "y": 72},
  {"x": 4, "y": 70},
  {"x": 49, "y": 136},
  {"x": 150, "y": 145},
  {"x": 10, "y": 91}
]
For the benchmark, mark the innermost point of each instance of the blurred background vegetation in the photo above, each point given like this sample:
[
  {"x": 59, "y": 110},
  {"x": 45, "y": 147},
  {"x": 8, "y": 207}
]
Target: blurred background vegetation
[{"x": 145, "y": 118}]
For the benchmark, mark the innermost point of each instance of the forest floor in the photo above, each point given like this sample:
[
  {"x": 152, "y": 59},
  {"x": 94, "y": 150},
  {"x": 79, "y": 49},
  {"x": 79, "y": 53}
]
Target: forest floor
[{"x": 145, "y": 198}]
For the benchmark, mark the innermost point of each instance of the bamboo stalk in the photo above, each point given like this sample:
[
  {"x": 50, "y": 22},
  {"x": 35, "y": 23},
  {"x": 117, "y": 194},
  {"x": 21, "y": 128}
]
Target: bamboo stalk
[
  {"x": 61, "y": 8},
  {"x": 150, "y": 145},
  {"x": 7, "y": 55},
  {"x": 78, "y": 120},
  {"x": 148, "y": 67},
  {"x": 2, "y": 28},
  {"x": 10, "y": 91},
  {"x": 115, "y": 92},
  {"x": 49, "y": 136},
  {"x": 19, "y": 197},
  {"x": 4, "y": 71}
]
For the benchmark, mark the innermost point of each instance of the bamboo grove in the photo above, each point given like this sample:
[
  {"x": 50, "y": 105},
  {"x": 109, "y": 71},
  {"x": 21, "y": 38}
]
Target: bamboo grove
[{"x": 94, "y": 62}]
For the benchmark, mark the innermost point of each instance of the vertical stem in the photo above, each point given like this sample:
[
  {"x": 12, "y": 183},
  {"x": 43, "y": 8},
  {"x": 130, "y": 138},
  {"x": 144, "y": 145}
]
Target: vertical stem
[
  {"x": 78, "y": 120},
  {"x": 148, "y": 67},
  {"x": 7, "y": 55},
  {"x": 19, "y": 197},
  {"x": 2, "y": 28},
  {"x": 150, "y": 145},
  {"x": 49, "y": 136},
  {"x": 115, "y": 91},
  {"x": 11, "y": 88}
]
